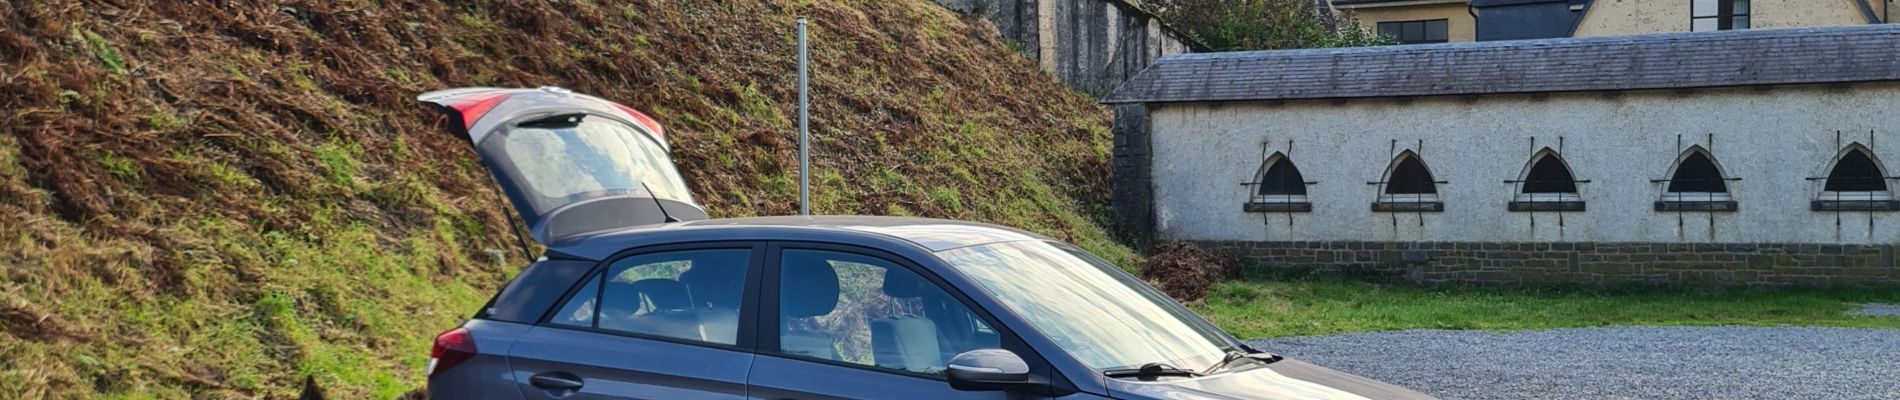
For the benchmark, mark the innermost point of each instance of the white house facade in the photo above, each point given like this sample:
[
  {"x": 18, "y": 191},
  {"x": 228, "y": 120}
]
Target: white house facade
[{"x": 1732, "y": 158}]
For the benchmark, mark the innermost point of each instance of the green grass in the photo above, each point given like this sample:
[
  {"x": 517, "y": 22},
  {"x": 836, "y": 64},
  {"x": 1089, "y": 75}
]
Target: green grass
[
  {"x": 120, "y": 166},
  {"x": 1277, "y": 308},
  {"x": 108, "y": 55}
]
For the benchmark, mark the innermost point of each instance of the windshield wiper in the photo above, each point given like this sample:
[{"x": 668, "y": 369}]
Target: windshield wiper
[
  {"x": 1235, "y": 355},
  {"x": 1232, "y": 356},
  {"x": 1149, "y": 372}
]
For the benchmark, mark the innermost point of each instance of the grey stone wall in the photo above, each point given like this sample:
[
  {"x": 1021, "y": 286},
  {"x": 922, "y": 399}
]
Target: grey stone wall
[
  {"x": 1694, "y": 264},
  {"x": 1131, "y": 193},
  {"x": 1093, "y": 45}
]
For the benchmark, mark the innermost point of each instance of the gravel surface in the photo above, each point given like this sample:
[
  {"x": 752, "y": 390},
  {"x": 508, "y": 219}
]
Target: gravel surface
[{"x": 1618, "y": 363}]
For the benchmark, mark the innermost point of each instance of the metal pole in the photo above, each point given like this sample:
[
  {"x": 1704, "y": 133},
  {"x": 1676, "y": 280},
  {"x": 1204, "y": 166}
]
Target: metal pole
[{"x": 804, "y": 126}]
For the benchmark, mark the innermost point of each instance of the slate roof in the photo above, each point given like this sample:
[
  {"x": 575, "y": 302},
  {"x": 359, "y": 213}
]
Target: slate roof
[{"x": 1662, "y": 61}]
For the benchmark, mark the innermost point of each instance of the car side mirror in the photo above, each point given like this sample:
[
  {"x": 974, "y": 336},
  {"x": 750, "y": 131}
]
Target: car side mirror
[{"x": 987, "y": 370}]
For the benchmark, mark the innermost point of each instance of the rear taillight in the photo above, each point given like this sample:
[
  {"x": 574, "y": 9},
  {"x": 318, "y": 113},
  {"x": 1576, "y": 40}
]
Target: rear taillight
[{"x": 451, "y": 349}]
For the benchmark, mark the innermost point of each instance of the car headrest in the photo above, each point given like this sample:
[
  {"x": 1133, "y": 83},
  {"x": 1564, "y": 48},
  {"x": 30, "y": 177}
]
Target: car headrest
[
  {"x": 814, "y": 282},
  {"x": 900, "y": 283},
  {"x": 664, "y": 294},
  {"x": 713, "y": 287},
  {"x": 619, "y": 299}
]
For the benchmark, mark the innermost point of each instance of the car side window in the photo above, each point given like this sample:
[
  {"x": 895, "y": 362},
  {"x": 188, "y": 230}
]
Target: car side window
[
  {"x": 868, "y": 311},
  {"x": 692, "y": 295}
]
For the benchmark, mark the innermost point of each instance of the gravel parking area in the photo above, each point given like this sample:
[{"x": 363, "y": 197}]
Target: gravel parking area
[{"x": 1619, "y": 363}]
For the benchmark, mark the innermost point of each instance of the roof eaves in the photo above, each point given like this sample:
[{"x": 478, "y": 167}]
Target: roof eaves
[
  {"x": 1867, "y": 10},
  {"x": 1577, "y": 23}
]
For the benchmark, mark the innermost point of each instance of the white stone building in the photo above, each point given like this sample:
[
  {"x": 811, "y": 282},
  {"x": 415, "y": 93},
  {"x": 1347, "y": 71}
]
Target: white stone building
[{"x": 1731, "y": 158}]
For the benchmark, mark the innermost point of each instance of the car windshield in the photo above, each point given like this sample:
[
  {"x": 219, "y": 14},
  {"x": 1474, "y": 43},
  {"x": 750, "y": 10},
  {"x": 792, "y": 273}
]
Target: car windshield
[
  {"x": 585, "y": 157},
  {"x": 1101, "y": 316}
]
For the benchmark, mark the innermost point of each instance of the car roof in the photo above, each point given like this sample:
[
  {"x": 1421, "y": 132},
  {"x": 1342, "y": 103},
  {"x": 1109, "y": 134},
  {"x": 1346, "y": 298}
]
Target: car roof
[{"x": 929, "y": 233}]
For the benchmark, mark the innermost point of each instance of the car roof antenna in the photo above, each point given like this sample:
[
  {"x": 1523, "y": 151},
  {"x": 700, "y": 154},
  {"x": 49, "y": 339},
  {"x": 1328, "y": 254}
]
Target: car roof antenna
[{"x": 657, "y": 204}]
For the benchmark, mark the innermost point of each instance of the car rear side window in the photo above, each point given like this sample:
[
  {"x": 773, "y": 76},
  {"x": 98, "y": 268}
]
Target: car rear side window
[
  {"x": 692, "y": 295},
  {"x": 528, "y": 296}
]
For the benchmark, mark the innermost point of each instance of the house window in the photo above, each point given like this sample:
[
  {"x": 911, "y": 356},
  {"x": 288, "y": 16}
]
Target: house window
[
  {"x": 1547, "y": 185},
  {"x": 1856, "y": 183},
  {"x": 1718, "y": 15},
  {"x": 1281, "y": 188},
  {"x": 1415, "y": 32},
  {"x": 1696, "y": 185},
  {"x": 1408, "y": 186}
]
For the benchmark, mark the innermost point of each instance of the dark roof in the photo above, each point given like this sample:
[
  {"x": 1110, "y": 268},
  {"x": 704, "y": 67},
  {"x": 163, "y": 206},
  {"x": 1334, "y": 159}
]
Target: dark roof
[
  {"x": 1662, "y": 61},
  {"x": 930, "y": 234},
  {"x": 934, "y": 234}
]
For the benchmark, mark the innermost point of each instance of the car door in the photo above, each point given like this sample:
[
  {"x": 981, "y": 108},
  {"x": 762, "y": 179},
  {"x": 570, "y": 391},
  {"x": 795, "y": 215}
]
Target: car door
[
  {"x": 662, "y": 323},
  {"x": 848, "y": 323}
]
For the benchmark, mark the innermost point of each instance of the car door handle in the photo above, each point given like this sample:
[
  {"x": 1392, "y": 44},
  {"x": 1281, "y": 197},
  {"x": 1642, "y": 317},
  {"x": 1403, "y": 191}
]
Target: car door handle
[{"x": 556, "y": 381}]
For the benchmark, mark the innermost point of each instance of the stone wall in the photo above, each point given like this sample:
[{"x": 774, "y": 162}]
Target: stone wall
[
  {"x": 1092, "y": 45},
  {"x": 1132, "y": 193},
  {"x": 1692, "y": 264}
]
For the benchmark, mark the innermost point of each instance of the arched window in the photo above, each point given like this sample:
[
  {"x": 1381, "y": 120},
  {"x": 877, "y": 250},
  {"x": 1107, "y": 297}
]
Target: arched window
[
  {"x": 1697, "y": 173},
  {"x": 1408, "y": 186},
  {"x": 1696, "y": 184},
  {"x": 1410, "y": 176},
  {"x": 1281, "y": 178},
  {"x": 1279, "y": 187},
  {"x": 1856, "y": 182},
  {"x": 1547, "y": 185}
]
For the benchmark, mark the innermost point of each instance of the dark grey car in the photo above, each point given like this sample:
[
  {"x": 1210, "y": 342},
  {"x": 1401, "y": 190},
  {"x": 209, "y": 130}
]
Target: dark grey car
[{"x": 639, "y": 296}]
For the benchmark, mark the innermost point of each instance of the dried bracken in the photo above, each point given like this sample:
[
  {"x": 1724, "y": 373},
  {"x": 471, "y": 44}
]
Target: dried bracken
[
  {"x": 230, "y": 191},
  {"x": 1185, "y": 271}
]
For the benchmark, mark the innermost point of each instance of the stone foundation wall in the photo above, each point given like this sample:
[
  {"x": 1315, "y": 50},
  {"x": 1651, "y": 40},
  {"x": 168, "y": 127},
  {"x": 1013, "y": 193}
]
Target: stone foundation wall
[{"x": 1704, "y": 264}]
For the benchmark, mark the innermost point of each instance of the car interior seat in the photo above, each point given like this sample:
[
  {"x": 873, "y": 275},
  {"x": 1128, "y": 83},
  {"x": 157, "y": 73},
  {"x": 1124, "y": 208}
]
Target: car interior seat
[
  {"x": 650, "y": 306},
  {"x": 716, "y": 296},
  {"x": 811, "y": 287},
  {"x": 907, "y": 342}
]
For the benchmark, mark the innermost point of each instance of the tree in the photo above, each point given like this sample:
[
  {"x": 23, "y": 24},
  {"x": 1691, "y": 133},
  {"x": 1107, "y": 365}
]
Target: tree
[{"x": 1234, "y": 25}]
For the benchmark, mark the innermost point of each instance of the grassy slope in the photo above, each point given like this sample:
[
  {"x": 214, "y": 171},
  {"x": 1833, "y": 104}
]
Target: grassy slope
[
  {"x": 1269, "y": 308},
  {"x": 216, "y": 204}
]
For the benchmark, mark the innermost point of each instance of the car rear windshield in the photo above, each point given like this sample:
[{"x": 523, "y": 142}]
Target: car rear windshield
[
  {"x": 592, "y": 158},
  {"x": 1095, "y": 312}
]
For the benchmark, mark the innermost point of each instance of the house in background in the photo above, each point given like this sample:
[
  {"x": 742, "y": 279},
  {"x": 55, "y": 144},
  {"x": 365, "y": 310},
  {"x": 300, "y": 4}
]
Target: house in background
[
  {"x": 1735, "y": 158},
  {"x": 1439, "y": 21},
  {"x": 1413, "y": 21}
]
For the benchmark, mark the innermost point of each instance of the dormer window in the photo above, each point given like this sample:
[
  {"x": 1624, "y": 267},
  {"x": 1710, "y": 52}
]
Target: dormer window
[
  {"x": 1279, "y": 187},
  {"x": 1718, "y": 15},
  {"x": 1408, "y": 186},
  {"x": 1856, "y": 182},
  {"x": 1547, "y": 185},
  {"x": 1696, "y": 184}
]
